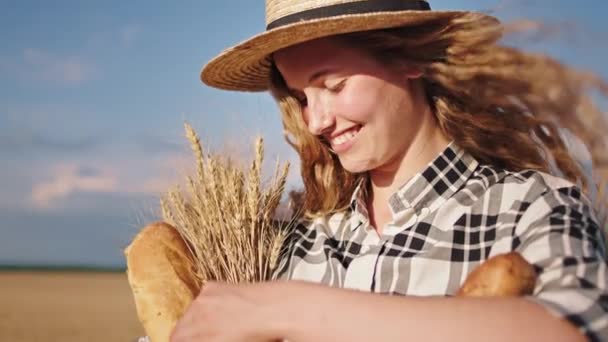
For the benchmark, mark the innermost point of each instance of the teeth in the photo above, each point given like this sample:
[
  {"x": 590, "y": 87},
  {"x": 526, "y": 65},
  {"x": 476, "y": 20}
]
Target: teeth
[{"x": 344, "y": 137}]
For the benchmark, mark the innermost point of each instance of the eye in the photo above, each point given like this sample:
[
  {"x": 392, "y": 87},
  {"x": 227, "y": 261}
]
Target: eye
[{"x": 336, "y": 87}]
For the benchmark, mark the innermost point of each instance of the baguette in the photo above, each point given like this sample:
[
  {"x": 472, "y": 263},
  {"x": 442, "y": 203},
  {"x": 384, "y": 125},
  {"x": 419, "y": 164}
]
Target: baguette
[{"x": 161, "y": 273}]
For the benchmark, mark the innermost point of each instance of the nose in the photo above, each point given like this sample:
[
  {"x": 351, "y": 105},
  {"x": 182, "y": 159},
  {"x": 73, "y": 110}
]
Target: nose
[{"x": 320, "y": 117}]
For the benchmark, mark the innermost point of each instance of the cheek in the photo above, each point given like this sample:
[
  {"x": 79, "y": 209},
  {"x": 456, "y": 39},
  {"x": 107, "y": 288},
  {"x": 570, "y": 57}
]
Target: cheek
[
  {"x": 305, "y": 116},
  {"x": 359, "y": 103}
]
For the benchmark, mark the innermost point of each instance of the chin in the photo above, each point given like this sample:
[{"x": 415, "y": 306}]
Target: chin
[{"x": 353, "y": 166}]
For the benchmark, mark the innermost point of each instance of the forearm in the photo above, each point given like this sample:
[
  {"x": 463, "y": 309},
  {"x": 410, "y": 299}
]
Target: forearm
[{"x": 329, "y": 314}]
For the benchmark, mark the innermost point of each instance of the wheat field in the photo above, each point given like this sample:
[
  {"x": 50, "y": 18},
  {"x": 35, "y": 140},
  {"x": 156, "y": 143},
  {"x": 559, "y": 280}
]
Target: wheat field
[{"x": 67, "y": 306}]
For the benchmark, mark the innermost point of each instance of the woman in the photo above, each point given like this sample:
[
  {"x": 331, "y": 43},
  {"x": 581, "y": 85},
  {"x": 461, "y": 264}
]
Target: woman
[{"x": 425, "y": 149}]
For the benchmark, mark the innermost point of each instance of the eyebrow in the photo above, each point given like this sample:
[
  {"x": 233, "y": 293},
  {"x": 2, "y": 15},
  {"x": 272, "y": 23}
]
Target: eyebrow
[{"x": 319, "y": 74}]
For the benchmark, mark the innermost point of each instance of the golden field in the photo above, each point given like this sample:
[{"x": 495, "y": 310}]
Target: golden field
[{"x": 67, "y": 306}]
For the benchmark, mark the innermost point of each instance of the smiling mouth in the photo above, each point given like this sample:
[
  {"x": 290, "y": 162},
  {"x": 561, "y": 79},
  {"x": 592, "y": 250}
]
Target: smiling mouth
[{"x": 345, "y": 139}]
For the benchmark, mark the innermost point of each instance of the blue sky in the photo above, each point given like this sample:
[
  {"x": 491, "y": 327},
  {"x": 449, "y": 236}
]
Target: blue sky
[{"x": 93, "y": 96}]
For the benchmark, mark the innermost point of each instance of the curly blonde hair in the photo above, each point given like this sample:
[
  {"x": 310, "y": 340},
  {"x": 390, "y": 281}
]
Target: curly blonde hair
[{"x": 502, "y": 105}]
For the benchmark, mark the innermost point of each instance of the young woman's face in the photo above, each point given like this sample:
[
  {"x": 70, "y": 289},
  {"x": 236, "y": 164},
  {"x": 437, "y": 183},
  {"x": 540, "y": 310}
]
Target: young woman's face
[{"x": 366, "y": 111}]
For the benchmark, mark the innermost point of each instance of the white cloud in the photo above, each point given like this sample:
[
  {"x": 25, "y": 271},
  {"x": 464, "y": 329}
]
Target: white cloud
[
  {"x": 59, "y": 182},
  {"x": 69, "y": 178},
  {"x": 135, "y": 176}
]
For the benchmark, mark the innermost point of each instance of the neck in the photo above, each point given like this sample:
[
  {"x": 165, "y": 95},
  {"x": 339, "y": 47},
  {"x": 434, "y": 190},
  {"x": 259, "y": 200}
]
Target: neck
[{"x": 424, "y": 147}]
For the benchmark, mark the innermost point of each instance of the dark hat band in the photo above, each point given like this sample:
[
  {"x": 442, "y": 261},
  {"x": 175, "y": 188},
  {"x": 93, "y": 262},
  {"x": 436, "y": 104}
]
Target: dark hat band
[{"x": 355, "y": 7}]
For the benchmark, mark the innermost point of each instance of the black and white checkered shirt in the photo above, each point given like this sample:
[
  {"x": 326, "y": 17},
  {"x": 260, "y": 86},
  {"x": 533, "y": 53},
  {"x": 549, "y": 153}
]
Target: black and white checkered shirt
[{"x": 447, "y": 220}]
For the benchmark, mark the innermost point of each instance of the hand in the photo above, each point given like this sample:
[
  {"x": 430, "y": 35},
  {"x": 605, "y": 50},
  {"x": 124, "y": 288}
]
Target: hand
[{"x": 226, "y": 312}]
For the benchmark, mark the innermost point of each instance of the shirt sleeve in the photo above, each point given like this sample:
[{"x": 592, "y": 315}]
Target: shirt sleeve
[{"x": 560, "y": 236}]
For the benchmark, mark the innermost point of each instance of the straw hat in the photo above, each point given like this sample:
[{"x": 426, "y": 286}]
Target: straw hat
[{"x": 246, "y": 66}]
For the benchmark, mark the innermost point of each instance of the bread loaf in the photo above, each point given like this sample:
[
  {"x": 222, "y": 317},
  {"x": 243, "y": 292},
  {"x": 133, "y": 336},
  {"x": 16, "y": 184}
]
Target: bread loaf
[
  {"x": 502, "y": 275},
  {"x": 161, "y": 274}
]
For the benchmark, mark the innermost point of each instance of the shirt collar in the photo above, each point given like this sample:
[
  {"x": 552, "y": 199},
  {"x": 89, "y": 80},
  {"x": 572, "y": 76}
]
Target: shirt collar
[{"x": 429, "y": 188}]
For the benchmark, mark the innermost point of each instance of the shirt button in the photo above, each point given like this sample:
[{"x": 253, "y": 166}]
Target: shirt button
[{"x": 424, "y": 211}]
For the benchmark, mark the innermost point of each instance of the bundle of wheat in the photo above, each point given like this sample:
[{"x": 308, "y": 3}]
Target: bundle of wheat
[
  {"x": 228, "y": 217},
  {"x": 223, "y": 229}
]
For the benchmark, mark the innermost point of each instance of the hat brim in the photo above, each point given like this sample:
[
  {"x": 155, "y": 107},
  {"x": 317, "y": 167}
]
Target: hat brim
[{"x": 246, "y": 66}]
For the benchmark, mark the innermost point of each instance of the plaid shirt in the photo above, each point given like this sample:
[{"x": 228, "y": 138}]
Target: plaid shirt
[{"x": 447, "y": 220}]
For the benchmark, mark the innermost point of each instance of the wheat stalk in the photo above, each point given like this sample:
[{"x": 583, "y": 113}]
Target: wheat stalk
[{"x": 227, "y": 216}]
